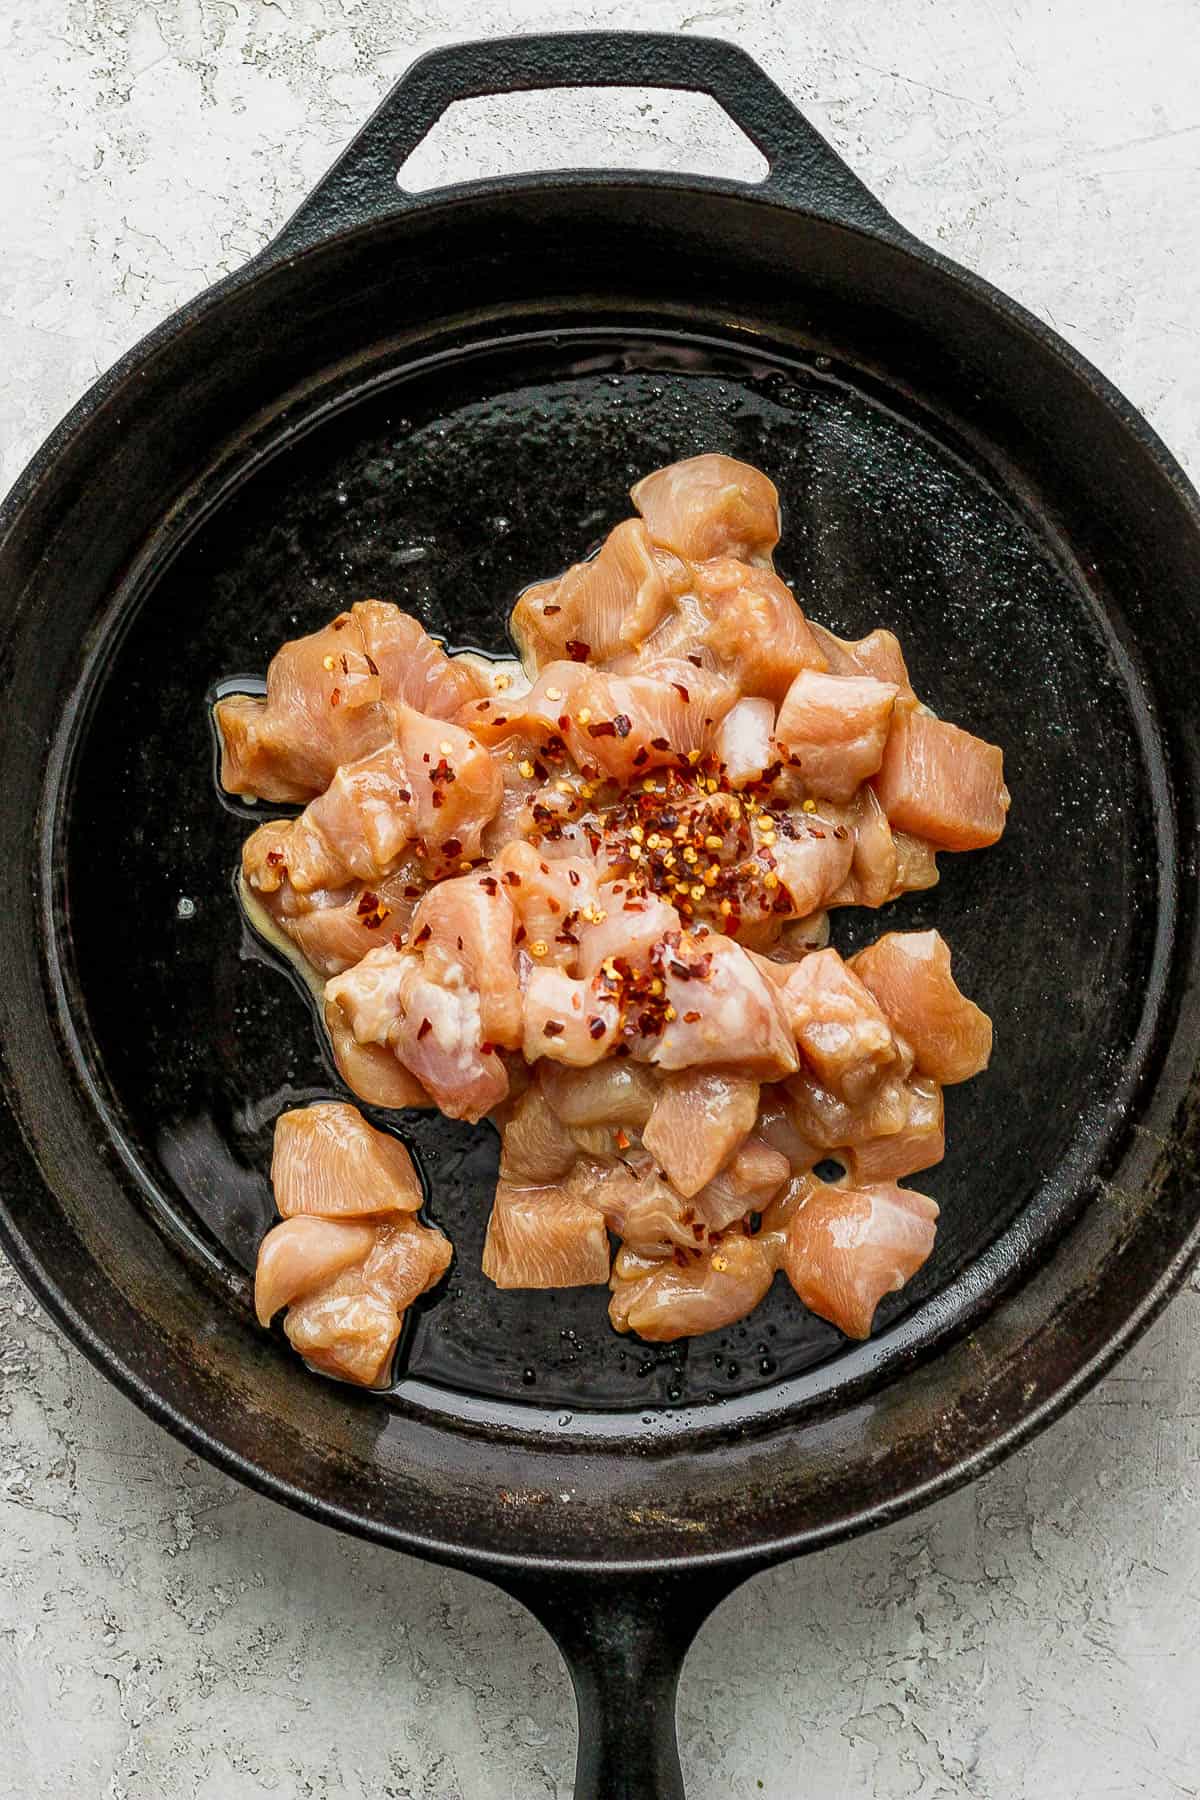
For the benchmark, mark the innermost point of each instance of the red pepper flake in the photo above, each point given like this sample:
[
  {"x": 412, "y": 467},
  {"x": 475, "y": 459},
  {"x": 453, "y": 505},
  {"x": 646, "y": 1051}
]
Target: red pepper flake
[
  {"x": 553, "y": 905},
  {"x": 423, "y": 1029},
  {"x": 519, "y": 935},
  {"x": 371, "y": 663},
  {"x": 544, "y": 867},
  {"x": 367, "y": 902},
  {"x": 397, "y": 941},
  {"x": 423, "y": 936},
  {"x": 682, "y": 692},
  {"x": 621, "y": 1050},
  {"x": 487, "y": 1049},
  {"x": 345, "y": 666},
  {"x": 460, "y": 943},
  {"x": 274, "y": 858},
  {"x": 412, "y": 893},
  {"x": 500, "y": 719},
  {"x": 659, "y": 743},
  {"x": 699, "y": 661},
  {"x": 340, "y": 624},
  {"x": 602, "y": 728},
  {"x": 622, "y": 1139},
  {"x": 540, "y": 770},
  {"x": 839, "y": 831},
  {"x": 511, "y": 878},
  {"x": 813, "y": 832},
  {"x": 690, "y": 1018},
  {"x": 596, "y": 1028},
  {"x": 404, "y": 794},
  {"x": 573, "y": 877},
  {"x": 622, "y": 725},
  {"x": 452, "y": 846},
  {"x": 640, "y": 756},
  {"x": 552, "y": 1029},
  {"x": 594, "y": 841},
  {"x": 578, "y": 652},
  {"x": 439, "y": 799},
  {"x": 649, "y": 1024},
  {"x": 548, "y": 612},
  {"x": 489, "y": 884},
  {"x": 564, "y": 721},
  {"x": 335, "y": 699}
]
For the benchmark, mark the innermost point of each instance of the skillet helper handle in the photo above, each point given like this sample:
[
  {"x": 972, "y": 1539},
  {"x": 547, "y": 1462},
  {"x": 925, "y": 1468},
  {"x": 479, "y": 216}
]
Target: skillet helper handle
[
  {"x": 361, "y": 187},
  {"x": 624, "y": 1642}
]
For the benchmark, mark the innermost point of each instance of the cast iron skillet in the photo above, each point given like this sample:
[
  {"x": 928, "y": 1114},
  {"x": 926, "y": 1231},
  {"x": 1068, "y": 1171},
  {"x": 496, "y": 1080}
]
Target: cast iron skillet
[{"x": 439, "y": 398}]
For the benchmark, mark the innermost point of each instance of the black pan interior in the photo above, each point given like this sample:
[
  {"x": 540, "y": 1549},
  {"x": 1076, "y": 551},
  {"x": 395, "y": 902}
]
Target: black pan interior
[{"x": 447, "y": 485}]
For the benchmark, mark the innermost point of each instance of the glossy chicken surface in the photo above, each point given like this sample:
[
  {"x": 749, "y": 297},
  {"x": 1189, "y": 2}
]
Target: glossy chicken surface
[{"x": 586, "y": 896}]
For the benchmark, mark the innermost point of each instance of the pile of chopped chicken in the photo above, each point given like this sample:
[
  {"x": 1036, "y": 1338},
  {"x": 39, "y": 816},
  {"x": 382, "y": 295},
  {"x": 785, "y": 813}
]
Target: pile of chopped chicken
[{"x": 586, "y": 895}]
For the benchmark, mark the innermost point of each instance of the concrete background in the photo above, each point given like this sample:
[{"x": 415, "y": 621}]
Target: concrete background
[{"x": 164, "y": 1634}]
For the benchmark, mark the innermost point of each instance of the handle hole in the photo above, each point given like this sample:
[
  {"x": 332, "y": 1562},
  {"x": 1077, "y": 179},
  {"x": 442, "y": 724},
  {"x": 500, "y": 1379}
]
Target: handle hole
[{"x": 604, "y": 128}]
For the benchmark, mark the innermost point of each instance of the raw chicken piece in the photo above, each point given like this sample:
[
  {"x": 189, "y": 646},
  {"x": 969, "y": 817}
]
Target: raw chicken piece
[
  {"x": 637, "y": 723},
  {"x": 567, "y": 1019},
  {"x": 345, "y": 1329},
  {"x": 631, "y": 927},
  {"x": 874, "y": 868},
  {"x": 432, "y": 1026},
  {"x": 304, "y": 1253},
  {"x": 834, "y": 728},
  {"x": 700, "y": 1118},
  {"x": 755, "y": 629},
  {"x": 598, "y": 608},
  {"x": 725, "y": 1012},
  {"x": 536, "y": 1148},
  {"x": 406, "y": 1260},
  {"x": 754, "y": 1175},
  {"x": 830, "y": 1123},
  {"x": 544, "y": 1237},
  {"x": 434, "y": 786},
  {"x": 704, "y": 1290},
  {"x": 327, "y": 702},
  {"x": 645, "y": 1211},
  {"x": 845, "y": 1248},
  {"x": 330, "y": 928},
  {"x": 469, "y": 924},
  {"x": 350, "y": 1327},
  {"x": 909, "y": 974},
  {"x": 916, "y": 863},
  {"x": 743, "y": 743},
  {"x": 327, "y": 1160},
  {"x": 413, "y": 667},
  {"x": 941, "y": 783},
  {"x": 553, "y": 899},
  {"x": 812, "y": 859},
  {"x": 878, "y": 654},
  {"x": 846, "y": 1039},
  {"x": 710, "y": 506},
  {"x": 613, "y": 1093},
  {"x": 918, "y": 1144},
  {"x": 287, "y": 745},
  {"x": 370, "y": 1071}
]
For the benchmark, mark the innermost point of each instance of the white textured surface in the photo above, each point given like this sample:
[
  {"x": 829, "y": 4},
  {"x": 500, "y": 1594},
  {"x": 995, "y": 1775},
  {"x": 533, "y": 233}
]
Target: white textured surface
[{"x": 164, "y": 1634}]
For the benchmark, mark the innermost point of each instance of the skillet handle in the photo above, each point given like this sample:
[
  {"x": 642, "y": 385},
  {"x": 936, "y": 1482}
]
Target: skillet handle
[
  {"x": 361, "y": 187},
  {"x": 624, "y": 1642}
]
